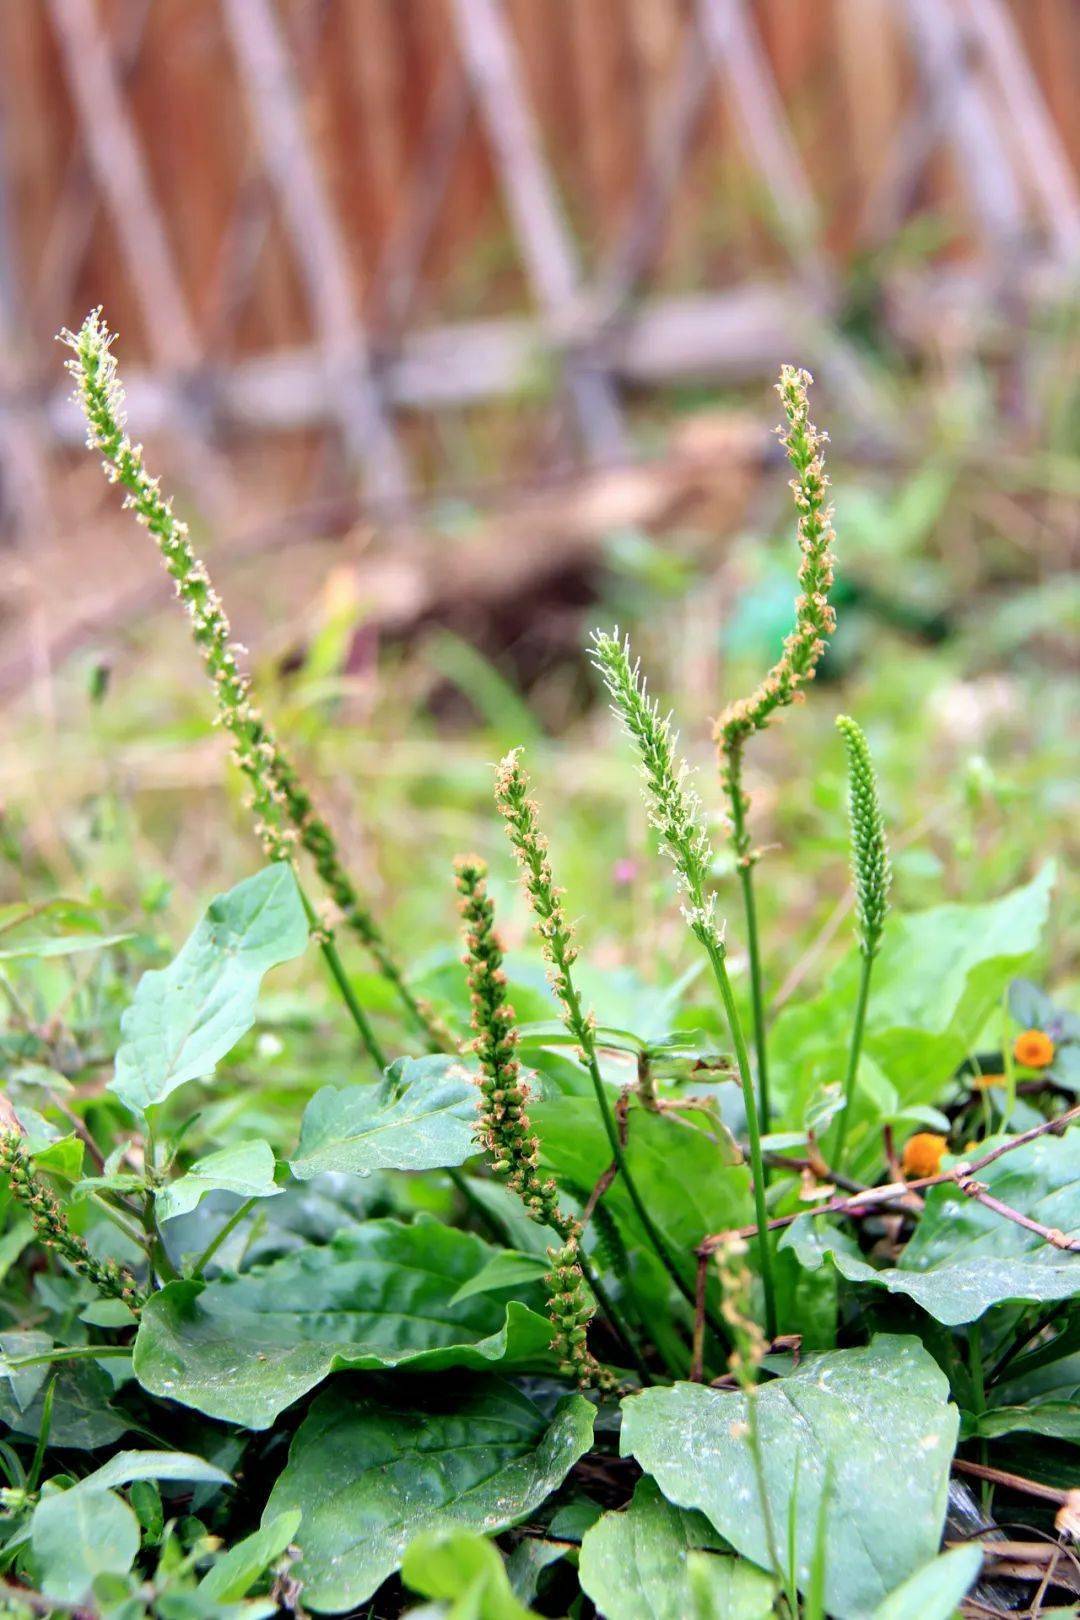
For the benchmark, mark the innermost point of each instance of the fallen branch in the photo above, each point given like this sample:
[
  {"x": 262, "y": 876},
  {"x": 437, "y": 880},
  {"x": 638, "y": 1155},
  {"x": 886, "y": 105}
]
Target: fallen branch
[
  {"x": 1049, "y": 1234},
  {"x": 1015, "y": 1482},
  {"x": 862, "y": 1203}
]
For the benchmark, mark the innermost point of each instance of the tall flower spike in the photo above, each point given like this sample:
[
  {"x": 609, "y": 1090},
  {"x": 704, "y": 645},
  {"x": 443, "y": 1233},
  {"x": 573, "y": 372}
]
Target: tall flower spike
[
  {"x": 505, "y": 1132},
  {"x": 676, "y": 811},
  {"x": 674, "y": 805},
  {"x": 283, "y": 809},
  {"x": 519, "y": 813},
  {"x": 530, "y": 845},
  {"x": 872, "y": 874},
  {"x": 51, "y": 1226},
  {"x": 815, "y": 619},
  {"x": 869, "y": 851},
  {"x": 814, "y": 623}
]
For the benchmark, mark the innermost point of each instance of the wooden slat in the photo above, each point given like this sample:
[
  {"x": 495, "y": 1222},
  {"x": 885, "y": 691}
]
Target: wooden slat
[
  {"x": 982, "y": 158},
  {"x": 115, "y": 155},
  {"x": 64, "y": 253},
  {"x": 724, "y": 337},
  {"x": 1048, "y": 170},
  {"x": 737, "y": 54},
  {"x": 539, "y": 227},
  {"x": 318, "y": 245}
]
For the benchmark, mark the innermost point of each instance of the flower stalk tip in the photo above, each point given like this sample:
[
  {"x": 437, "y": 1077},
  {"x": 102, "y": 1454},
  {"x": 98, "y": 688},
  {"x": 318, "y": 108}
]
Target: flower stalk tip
[
  {"x": 815, "y": 619},
  {"x": 506, "y": 1134},
  {"x": 871, "y": 867},
  {"x": 675, "y": 808},
  {"x": 284, "y": 813}
]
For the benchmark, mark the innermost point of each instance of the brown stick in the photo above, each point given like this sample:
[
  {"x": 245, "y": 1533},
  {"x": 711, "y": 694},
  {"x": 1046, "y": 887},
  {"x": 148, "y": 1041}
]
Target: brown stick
[
  {"x": 860, "y": 1203},
  {"x": 697, "y": 1361},
  {"x": 39, "y": 1604},
  {"x": 1015, "y": 1482},
  {"x": 1049, "y": 1234}
]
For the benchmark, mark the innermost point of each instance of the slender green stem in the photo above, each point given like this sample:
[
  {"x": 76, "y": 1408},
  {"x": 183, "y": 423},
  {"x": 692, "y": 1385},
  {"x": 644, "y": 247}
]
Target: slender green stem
[
  {"x": 73, "y": 1352},
  {"x": 156, "y": 1255},
  {"x": 44, "y": 1432},
  {"x": 757, "y": 1165},
  {"x": 753, "y": 1438},
  {"x": 854, "y": 1051},
  {"x": 652, "y": 1231},
  {"x": 740, "y": 843},
  {"x": 348, "y": 995},
  {"x": 757, "y": 997},
  {"x": 128, "y": 1227},
  {"x": 218, "y": 1239}
]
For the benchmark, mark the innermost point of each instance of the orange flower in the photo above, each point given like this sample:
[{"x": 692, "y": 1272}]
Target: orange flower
[
  {"x": 1034, "y": 1049},
  {"x": 923, "y": 1154}
]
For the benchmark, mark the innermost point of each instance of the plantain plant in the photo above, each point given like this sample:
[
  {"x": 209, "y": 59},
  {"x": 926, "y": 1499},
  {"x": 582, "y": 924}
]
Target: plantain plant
[{"x": 526, "y": 1315}]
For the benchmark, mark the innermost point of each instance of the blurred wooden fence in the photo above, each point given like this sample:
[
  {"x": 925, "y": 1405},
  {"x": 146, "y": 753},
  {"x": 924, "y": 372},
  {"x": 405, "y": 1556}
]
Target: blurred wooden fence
[{"x": 354, "y": 218}]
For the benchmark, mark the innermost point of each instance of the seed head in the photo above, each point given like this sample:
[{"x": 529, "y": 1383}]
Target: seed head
[{"x": 869, "y": 850}]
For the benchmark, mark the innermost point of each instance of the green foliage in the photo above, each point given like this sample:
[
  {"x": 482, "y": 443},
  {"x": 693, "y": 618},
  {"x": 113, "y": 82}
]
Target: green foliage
[
  {"x": 246, "y": 1169},
  {"x": 370, "y": 1471},
  {"x": 464, "y": 1569},
  {"x": 636, "y": 1565},
  {"x": 77, "y": 1537},
  {"x": 185, "y": 1018},
  {"x": 420, "y": 1116},
  {"x": 838, "y": 1426},
  {"x": 348, "y": 1311},
  {"x": 244, "y": 1348},
  {"x": 935, "y": 1591}
]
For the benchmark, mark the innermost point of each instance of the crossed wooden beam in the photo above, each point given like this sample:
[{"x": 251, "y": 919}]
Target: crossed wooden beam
[{"x": 977, "y": 92}]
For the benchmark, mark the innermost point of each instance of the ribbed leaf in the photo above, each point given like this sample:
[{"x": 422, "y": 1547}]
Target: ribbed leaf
[
  {"x": 244, "y": 1348},
  {"x": 369, "y": 1473}
]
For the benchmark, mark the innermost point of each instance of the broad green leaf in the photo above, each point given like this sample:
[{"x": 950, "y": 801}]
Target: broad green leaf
[
  {"x": 693, "y": 1182},
  {"x": 246, "y": 1169},
  {"x": 81, "y": 1415},
  {"x": 370, "y": 1472},
  {"x": 935, "y": 1591},
  {"x": 62, "y": 1157},
  {"x": 185, "y": 1018},
  {"x": 874, "y": 1424},
  {"x": 463, "y": 1568},
  {"x": 634, "y": 1565},
  {"x": 244, "y": 1348},
  {"x": 77, "y": 1536},
  {"x": 236, "y": 1571},
  {"x": 528, "y": 1561},
  {"x": 1057, "y": 1420},
  {"x": 420, "y": 1116},
  {"x": 505, "y": 1269},
  {"x": 947, "y": 968},
  {"x": 19, "y": 1233},
  {"x": 1046, "y": 1402},
  {"x": 965, "y": 1258},
  {"x": 19, "y": 1385}
]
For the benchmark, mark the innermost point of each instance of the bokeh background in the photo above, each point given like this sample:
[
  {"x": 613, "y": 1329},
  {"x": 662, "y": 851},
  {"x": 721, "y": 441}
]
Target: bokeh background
[{"x": 453, "y": 325}]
